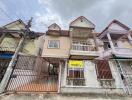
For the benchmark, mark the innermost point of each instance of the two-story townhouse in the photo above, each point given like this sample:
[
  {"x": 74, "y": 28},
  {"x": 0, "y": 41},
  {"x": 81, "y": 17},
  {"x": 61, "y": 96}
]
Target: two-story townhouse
[
  {"x": 71, "y": 54},
  {"x": 80, "y": 71},
  {"x": 118, "y": 53}
]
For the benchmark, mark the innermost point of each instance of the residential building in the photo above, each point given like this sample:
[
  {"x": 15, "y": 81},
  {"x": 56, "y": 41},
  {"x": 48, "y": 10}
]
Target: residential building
[
  {"x": 9, "y": 40},
  {"x": 81, "y": 56},
  {"x": 73, "y": 52},
  {"x": 118, "y": 52}
]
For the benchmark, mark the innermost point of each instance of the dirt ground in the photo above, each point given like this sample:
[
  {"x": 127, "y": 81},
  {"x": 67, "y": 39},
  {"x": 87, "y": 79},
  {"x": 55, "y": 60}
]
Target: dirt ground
[{"x": 63, "y": 97}]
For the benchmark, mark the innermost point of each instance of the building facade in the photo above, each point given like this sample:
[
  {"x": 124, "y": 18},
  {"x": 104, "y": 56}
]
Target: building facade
[
  {"x": 77, "y": 60},
  {"x": 87, "y": 61}
]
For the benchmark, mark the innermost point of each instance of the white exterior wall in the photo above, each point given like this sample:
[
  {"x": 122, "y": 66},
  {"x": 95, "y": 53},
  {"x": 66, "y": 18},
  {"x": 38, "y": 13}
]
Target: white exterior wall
[
  {"x": 124, "y": 44},
  {"x": 92, "y": 84},
  {"x": 116, "y": 74},
  {"x": 84, "y": 23},
  {"x": 90, "y": 74},
  {"x": 115, "y": 26}
]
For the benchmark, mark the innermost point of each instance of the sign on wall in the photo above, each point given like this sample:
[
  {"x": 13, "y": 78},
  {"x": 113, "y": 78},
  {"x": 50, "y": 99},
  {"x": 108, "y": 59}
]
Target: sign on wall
[{"x": 76, "y": 64}]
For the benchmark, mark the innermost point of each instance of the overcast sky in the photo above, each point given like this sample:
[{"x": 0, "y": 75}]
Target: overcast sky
[{"x": 62, "y": 12}]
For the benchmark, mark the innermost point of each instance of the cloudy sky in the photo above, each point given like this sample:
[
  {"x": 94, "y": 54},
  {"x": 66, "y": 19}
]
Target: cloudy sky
[{"x": 62, "y": 12}]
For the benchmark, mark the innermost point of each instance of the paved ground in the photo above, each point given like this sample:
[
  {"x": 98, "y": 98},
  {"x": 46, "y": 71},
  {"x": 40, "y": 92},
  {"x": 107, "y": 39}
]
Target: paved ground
[{"x": 62, "y": 97}]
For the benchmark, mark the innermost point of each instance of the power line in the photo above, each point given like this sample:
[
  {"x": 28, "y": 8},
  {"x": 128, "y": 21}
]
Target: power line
[{"x": 5, "y": 13}]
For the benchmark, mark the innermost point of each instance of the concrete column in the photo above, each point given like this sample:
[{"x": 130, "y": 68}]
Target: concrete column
[
  {"x": 65, "y": 72},
  {"x": 95, "y": 41},
  {"x": 59, "y": 78},
  {"x": 110, "y": 41},
  {"x": 129, "y": 38}
]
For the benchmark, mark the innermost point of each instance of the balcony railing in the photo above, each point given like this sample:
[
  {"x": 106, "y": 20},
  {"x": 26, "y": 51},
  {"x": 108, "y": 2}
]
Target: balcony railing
[
  {"x": 121, "y": 52},
  {"x": 81, "y": 47},
  {"x": 107, "y": 83},
  {"x": 76, "y": 81},
  {"x": 7, "y": 48}
]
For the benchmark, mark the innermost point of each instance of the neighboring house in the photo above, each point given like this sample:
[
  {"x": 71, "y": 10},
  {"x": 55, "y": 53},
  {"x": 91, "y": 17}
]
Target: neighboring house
[
  {"x": 118, "y": 54},
  {"x": 9, "y": 40},
  {"x": 13, "y": 36}
]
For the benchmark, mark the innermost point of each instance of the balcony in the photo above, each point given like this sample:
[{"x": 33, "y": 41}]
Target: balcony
[
  {"x": 123, "y": 52},
  {"x": 83, "y": 50},
  {"x": 118, "y": 52}
]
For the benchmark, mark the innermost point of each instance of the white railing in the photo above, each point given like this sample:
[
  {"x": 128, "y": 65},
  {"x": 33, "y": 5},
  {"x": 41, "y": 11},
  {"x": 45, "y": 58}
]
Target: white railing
[
  {"x": 120, "y": 51},
  {"x": 81, "y": 47},
  {"x": 123, "y": 50}
]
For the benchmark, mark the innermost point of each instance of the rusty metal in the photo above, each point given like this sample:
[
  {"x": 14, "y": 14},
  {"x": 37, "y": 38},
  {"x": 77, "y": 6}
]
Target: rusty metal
[{"x": 31, "y": 74}]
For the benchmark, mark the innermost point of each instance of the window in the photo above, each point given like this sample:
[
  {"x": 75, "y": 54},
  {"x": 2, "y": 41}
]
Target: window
[
  {"x": 103, "y": 70},
  {"x": 75, "y": 74},
  {"x": 79, "y": 73},
  {"x": 53, "y": 44},
  {"x": 104, "y": 74},
  {"x": 75, "y": 77}
]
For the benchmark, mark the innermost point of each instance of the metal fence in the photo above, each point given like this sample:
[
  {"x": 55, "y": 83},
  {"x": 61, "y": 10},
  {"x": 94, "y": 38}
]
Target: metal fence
[{"x": 31, "y": 74}]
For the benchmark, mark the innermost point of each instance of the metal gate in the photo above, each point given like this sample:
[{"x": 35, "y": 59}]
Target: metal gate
[{"x": 31, "y": 74}]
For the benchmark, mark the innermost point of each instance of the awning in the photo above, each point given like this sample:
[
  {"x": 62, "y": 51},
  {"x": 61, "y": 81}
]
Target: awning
[{"x": 6, "y": 55}]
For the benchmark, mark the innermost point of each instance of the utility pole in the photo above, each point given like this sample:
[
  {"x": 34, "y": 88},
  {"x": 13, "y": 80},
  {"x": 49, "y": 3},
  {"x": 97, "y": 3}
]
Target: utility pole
[{"x": 9, "y": 69}]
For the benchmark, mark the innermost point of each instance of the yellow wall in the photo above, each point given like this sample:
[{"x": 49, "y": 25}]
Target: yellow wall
[
  {"x": 10, "y": 43},
  {"x": 31, "y": 47}
]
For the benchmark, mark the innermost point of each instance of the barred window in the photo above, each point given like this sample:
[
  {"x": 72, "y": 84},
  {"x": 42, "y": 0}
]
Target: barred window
[{"x": 103, "y": 70}]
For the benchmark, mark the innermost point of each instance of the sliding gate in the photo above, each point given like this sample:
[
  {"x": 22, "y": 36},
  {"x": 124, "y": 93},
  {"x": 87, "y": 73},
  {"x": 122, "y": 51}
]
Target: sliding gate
[{"x": 32, "y": 74}]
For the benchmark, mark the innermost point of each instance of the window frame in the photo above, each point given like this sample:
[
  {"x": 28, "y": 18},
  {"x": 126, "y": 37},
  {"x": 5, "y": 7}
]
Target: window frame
[
  {"x": 54, "y": 47},
  {"x": 98, "y": 70}
]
